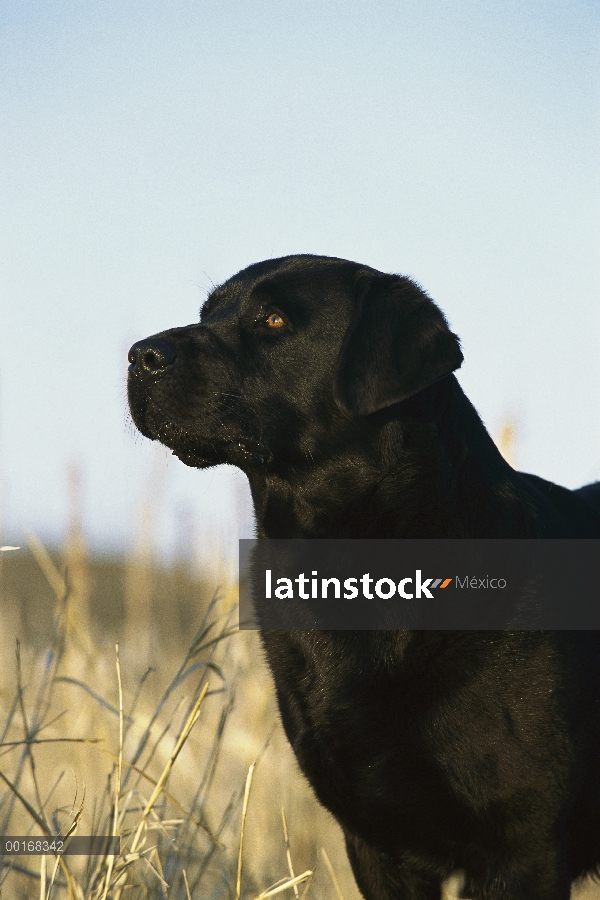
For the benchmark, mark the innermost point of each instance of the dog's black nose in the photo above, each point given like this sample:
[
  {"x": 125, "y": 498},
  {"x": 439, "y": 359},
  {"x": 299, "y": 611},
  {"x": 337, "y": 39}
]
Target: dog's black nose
[{"x": 151, "y": 357}]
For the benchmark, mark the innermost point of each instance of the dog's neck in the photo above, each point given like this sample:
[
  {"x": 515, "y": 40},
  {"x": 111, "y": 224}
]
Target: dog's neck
[{"x": 428, "y": 469}]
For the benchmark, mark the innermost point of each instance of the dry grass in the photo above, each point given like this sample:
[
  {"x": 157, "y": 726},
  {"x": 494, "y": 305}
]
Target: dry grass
[{"x": 184, "y": 760}]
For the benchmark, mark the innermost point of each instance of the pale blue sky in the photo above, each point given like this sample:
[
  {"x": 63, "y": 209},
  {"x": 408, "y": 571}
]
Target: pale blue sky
[{"x": 151, "y": 148}]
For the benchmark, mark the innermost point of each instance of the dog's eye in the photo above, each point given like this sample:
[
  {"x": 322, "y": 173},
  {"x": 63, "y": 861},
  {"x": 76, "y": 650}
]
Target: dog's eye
[{"x": 275, "y": 321}]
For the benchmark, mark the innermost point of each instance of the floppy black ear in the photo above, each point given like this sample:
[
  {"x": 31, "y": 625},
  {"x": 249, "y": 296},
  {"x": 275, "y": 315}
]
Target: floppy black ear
[{"x": 398, "y": 343}]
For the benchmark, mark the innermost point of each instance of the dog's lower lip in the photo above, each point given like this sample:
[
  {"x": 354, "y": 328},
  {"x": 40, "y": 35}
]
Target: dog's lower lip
[
  {"x": 195, "y": 460},
  {"x": 235, "y": 452}
]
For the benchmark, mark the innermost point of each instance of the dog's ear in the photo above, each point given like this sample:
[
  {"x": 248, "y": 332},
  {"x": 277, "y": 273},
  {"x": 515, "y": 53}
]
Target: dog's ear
[{"x": 397, "y": 344}]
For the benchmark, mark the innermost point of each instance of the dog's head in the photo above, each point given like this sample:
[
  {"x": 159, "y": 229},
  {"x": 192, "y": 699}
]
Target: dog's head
[{"x": 288, "y": 357}]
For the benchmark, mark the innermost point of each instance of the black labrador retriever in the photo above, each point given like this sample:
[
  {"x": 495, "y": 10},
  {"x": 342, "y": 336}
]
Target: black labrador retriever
[{"x": 330, "y": 385}]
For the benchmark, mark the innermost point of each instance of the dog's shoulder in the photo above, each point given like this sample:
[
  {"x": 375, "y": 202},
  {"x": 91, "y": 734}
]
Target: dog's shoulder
[
  {"x": 591, "y": 494},
  {"x": 578, "y": 511}
]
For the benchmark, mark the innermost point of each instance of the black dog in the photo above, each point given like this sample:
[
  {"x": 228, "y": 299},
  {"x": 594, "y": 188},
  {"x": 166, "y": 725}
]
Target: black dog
[{"x": 329, "y": 384}]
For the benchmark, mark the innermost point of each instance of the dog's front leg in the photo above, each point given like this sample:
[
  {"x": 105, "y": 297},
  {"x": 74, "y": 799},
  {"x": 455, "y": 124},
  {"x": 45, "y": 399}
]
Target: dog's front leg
[{"x": 380, "y": 878}]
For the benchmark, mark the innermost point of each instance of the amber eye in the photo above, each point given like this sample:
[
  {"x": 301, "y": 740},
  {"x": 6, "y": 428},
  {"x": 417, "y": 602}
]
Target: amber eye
[{"x": 275, "y": 321}]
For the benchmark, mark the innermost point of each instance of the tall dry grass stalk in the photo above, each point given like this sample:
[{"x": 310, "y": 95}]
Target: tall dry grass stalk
[
  {"x": 75, "y": 553},
  {"x": 507, "y": 440},
  {"x": 140, "y": 568}
]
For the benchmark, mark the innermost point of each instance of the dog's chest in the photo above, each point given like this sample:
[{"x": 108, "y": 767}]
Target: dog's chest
[{"x": 356, "y": 735}]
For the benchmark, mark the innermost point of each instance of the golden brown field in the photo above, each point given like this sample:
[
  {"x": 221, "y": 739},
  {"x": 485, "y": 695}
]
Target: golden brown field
[{"x": 154, "y": 741}]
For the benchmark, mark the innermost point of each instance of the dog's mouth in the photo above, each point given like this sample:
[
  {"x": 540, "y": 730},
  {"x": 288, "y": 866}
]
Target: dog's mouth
[
  {"x": 190, "y": 448},
  {"x": 196, "y": 459},
  {"x": 235, "y": 453}
]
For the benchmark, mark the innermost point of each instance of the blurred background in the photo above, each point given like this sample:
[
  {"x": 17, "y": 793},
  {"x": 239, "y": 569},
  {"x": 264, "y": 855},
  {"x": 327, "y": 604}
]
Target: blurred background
[{"x": 148, "y": 152}]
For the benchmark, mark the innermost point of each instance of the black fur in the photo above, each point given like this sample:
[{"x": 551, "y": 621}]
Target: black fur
[{"x": 435, "y": 751}]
